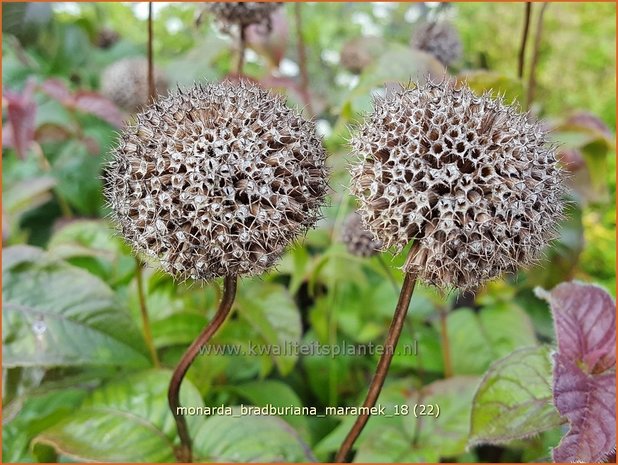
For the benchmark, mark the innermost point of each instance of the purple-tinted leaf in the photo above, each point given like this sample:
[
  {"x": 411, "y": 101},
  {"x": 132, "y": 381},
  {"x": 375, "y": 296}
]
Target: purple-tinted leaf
[
  {"x": 586, "y": 120},
  {"x": 95, "y": 104},
  {"x": 57, "y": 90},
  {"x": 589, "y": 403},
  {"x": 21, "y": 111},
  {"x": 584, "y": 388},
  {"x": 585, "y": 324}
]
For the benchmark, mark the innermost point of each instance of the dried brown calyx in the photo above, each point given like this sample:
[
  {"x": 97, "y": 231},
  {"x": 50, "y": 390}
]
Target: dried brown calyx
[
  {"x": 125, "y": 82},
  {"x": 357, "y": 239},
  {"x": 469, "y": 179},
  {"x": 243, "y": 14},
  {"x": 439, "y": 39},
  {"x": 217, "y": 180}
]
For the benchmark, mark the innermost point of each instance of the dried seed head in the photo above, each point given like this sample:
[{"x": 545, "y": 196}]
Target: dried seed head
[
  {"x": 243, "y": 13},
  {"x": 467, "y": 178},
  {"x": 440, "y": 40},
  {"x": 358, "y": 240},
  {"x": 361, "y": 52},
  {"x": 125, "y": 82},
  {"x": 216, "y": 180}
]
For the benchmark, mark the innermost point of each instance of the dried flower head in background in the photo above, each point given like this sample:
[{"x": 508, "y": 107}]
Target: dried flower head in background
[
  {"x": 243, "y": 13},
  {"x": 439, "y": 39},
  {"x": 217, "y": 180},
  {"x": 358, "y": 240},
  {"x": 469, "y": 179},
  {"x": 106, "y": 38},
  {"x": 361, "y": 52},
  {"x": 125, "y": 82}
]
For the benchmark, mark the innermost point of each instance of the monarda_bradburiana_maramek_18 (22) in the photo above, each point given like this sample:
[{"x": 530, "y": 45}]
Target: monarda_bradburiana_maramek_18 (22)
[
  {"x": 215, "y": 181},
  {"x": 470, "y": 182}
]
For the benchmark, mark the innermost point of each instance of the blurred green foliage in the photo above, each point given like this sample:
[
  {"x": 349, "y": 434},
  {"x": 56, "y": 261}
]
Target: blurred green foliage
[{"x": 77, "y": 380}]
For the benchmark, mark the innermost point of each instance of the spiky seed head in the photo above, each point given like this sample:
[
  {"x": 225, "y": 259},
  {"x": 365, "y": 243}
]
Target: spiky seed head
[
  {"x": 470, "y": 180},
  {"x": 243, "y": 13},
  {"x": 125, "y": 82},
  {"x": 439, "y": 39},
  {"x": 357, "y": 239},
  {"x": 216, "y": 180}
]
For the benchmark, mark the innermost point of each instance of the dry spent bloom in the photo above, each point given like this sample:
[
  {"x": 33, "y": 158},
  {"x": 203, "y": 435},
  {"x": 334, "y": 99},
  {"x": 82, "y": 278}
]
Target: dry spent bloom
[
  {"x": 243, "y": 13},
  {"x": 357, "y": 239},
  {"x": 217, "y": 180},
  {"x": 360, "y": 52},
  {"x": 470, "y": 180},
  {"x": 125, "y": 82},
  {"x": 439, "y": 39}
]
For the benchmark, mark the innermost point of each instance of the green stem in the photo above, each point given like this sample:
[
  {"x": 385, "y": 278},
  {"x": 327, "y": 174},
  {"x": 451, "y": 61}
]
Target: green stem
[{"x": 144, "y": 313}]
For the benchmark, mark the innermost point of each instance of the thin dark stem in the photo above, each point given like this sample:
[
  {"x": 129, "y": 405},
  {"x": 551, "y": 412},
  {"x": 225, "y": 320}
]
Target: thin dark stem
[
  {"x": 144, "y": 313},
  {"x": 302, "y": 57},
  {"x": 524, "y": 41},
  {"x": 377, "y": 382},
  {"x": 242, "y": 43},
  {"x": 151, "y": 84},
  {"x": 446, "y": 348},
  {"x": 183, "y": 453},
  {"x": 535, "y": 57}
]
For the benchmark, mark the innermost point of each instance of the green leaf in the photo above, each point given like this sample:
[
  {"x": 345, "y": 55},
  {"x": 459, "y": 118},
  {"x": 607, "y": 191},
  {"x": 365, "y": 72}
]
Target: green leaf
[
  {"x": 33, "y": 415},
  {"x": 275, "y": 320},
  {"x": 448, "y": 432},
  {"x": 78, "y": 175},
  {"x": 395, "y": 393},
  {"x": 398, "y": 64},
  {"x": 477, "y": 339},
  {"x": 249, "y": 438},
  {"x": 127, "y": 420},
  {"x": 514, "y": 400},
  {"x": 93, "y": 246},
  {"x": 55, "y": 314},
  {"x": 277, "y": 394},
  {"x": 391, "y": 444},
  {"x": 481, "y": 81}
]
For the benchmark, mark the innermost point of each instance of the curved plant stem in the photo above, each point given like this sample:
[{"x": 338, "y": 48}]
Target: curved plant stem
[
  {"x": 151, "y": 85},
  {"x": 242, "y": 43},
  {"x": 302, "y": 57},
  {"x": 535, "y": 57},
  {"x": 524, "y": 41},
  {"x": 144, "y": 313},
  {"x": 377, "y": 382},
  {"x": 446, "y": 348},
  {"x": 183, "y": 453}
]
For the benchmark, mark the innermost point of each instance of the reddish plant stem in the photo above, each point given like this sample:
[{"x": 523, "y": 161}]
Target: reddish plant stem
[
  {"x": 524, "y": 41},
  {"x": 184, "y": 451},
  {"x": 535, "y": 57},
  {"x": 242, "y": 44},
  {"x": 151, "y": 85},
  {"x": 302, "y": 57},
  {"x": 379, "y": 377}
]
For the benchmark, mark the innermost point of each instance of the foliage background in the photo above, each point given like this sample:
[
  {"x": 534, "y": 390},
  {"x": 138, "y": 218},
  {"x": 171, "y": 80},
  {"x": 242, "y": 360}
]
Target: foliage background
[{"x": 78, "y": 382}]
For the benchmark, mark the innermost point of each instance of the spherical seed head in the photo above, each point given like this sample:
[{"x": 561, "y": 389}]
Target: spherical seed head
[
  {"x": 125, "y": 82},
  {"x": 440, "y": 40},
  {"x": 243, "y": 13},
  {"x": 358, "y": 240},
  {"x": 470, "y": 180},
  {"x": 217, "y": 180}
]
